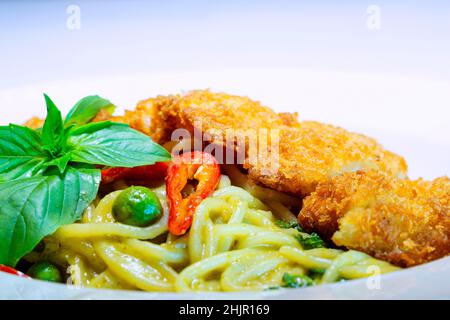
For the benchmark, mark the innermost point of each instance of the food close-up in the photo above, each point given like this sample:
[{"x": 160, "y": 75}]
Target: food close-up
[
  {"x": 207, "y": 158},
  {"x": 120, "y": 204}
]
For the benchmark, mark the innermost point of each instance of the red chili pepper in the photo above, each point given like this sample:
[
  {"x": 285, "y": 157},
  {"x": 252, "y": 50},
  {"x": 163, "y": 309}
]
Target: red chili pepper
[
  {"x": 10, "y": 270},
  {"x": 197, "y": 165},
  {"x": 151, "y": 172}
]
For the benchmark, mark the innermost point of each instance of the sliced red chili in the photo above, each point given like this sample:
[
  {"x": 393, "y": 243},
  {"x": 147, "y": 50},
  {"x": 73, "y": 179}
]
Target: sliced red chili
[
  {"x": 197, "y": 165},
  {"x": 10, "y": 270},
  {"x": 152, "y": 172}
]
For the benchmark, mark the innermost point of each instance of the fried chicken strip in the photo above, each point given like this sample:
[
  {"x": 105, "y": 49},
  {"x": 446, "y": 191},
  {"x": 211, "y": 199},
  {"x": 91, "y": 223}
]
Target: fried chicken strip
[
  {"x": 401, "y": 221},
  {"x": 308, "y": 152}
]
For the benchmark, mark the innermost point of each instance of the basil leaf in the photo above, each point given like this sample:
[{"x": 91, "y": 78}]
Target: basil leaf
[
  {"x": 61, "y": 163},
  {"x": 93, "y": 127},
  {"x": 114, "y": 145},
  {"x": 87, "y": 108},
  {"x": 33, "y": 208},
  {"x": 21, "y": 154},
  {"x": 52, "y": 132}
]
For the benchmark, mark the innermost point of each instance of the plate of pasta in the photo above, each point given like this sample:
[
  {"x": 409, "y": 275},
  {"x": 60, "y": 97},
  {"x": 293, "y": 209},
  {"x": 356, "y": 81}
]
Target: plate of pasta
[{"x": 211, "y": 194}]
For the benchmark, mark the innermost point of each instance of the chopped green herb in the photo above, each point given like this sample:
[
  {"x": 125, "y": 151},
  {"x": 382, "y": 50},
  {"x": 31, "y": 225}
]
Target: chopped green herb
[
  {"x": 310, "y": 241},
  {"x": 296, "y": 281},
  {"x": 316, "y": 273},
  {"x": 288, "y": 225},
  {"x": 285, "y": 224}
]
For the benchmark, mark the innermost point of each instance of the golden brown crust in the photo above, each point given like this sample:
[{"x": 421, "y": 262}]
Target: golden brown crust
[
  {"x": 146, "y": 117},
  {"x": 309, "y": 152},
  {"x": 312, "y": 152},
  {"x": 402, "y": 221},
  {"x": 214, "y": 113}
]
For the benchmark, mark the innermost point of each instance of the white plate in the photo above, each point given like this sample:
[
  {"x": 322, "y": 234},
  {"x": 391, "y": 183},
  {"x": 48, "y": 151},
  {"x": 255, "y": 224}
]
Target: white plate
[{"x": 408, "y": 116}]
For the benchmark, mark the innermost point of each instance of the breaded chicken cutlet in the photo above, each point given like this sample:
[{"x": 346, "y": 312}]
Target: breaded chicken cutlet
[
  {"x": 308, "y": 152},
  {"x": 404, "y": 222}
]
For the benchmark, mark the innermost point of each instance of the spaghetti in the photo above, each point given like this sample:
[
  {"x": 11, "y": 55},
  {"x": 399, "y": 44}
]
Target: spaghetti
[{"x": 234, "y": 244}]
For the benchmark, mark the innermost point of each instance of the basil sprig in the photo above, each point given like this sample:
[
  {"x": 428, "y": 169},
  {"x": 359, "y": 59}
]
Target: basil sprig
[
  {"x": 87, "y": 109},
  {"x": 48, "y": 177}
]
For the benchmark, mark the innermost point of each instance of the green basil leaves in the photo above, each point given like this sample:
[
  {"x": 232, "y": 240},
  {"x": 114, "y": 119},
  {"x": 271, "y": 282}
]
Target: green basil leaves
[
  {"x": 32, "y": 208},
  {"x": 48, "y": 177}
]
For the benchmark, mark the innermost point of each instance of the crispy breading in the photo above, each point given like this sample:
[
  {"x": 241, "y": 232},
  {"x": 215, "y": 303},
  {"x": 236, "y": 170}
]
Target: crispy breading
[
  {"x": 312, "y": 152},
  {"x": 309, "y": 152},
  {"x": 402, "y": 221},
  {"x": 145, "y": 117},
  {"x": 215, "y": 112}
]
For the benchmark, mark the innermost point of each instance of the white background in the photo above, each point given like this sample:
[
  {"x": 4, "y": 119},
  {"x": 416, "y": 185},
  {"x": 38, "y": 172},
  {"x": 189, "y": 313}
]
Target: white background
[
  {"x": 119, "y": 37},
  {"x": 318, "y": 58}
]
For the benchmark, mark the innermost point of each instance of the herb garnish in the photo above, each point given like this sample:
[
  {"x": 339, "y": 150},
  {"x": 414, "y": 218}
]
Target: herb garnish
[
  {"x": 316, "y": 273},
  {"x": 296, "y": 281},
  {"x": 308, "y": 241},
  {"x": 288, "y": 225},
  {"x": 48, "y": 177}
]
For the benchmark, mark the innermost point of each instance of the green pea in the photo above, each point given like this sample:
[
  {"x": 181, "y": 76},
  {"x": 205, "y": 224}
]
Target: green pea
[
  {"x": 45, "y": 271},
  {"x": 137, "y": 206}
]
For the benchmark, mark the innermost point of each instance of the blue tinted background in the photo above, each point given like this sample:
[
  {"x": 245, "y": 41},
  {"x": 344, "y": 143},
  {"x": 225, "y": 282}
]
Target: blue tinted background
[{"x": 119, "y": 37}]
